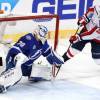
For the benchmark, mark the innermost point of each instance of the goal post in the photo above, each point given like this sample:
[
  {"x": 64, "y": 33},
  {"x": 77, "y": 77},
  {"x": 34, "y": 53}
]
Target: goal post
[{"x": 50, "y": 21}]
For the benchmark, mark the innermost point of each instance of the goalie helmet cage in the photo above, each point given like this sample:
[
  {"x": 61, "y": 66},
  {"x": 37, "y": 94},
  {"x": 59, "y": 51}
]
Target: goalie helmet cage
[{"x": 37, "y": 19}]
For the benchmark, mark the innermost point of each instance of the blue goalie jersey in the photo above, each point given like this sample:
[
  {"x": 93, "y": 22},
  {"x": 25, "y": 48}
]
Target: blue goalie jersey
[
  {"x": 33, "y": 49},
  {"x": 29, "y": 46}
]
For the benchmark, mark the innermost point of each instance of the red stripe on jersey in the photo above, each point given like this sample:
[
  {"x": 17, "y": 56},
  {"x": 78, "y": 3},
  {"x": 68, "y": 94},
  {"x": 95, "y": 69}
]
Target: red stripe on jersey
[
  {"x": 97, "y": 41},
  {"x": 70, "y": 54},
  {"x": 88, "y": 32},
  {"x": 98, "y": 31}
]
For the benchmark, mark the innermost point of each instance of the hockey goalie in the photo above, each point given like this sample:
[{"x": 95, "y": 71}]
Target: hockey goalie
[{"x": 21, "y": 56}]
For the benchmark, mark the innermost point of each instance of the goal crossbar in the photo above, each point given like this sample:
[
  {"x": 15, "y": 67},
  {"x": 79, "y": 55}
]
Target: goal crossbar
[{"x": 14, "y": 18}]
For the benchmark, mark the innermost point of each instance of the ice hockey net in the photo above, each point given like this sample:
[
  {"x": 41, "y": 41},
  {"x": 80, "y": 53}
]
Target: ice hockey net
[{"x": 26, "y": 24}]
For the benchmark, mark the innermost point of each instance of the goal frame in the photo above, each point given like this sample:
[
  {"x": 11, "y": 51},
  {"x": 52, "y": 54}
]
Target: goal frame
[{"x": 14, "y": 18}]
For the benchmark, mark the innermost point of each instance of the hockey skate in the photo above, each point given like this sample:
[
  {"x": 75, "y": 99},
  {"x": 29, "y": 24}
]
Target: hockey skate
[
  {"x": 36, "y": 79},
  {"x": 2, "y": 89}
]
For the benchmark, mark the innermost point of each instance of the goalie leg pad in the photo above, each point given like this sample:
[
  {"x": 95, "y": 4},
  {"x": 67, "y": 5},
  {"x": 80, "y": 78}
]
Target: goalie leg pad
[
  {"x": 41, "y": 72},
  {"x": 10, "y": 77},
  {"x": 13, "y": 75}
]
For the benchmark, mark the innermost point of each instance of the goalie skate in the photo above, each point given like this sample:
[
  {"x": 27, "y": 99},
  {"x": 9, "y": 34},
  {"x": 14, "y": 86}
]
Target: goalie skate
[
  {"x": 2, "y": 89},
  {"x": 36, "y": 79}
]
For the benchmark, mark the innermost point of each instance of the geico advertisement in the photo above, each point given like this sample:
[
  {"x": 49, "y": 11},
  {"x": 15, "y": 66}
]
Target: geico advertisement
[{"x": 68, "y": 10}]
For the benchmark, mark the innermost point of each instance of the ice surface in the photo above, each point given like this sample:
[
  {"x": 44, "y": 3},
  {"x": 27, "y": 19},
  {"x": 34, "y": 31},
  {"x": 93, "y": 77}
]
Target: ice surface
[
  {"x": 78, "y": 79},
  {"x": 58, "y": 90}
]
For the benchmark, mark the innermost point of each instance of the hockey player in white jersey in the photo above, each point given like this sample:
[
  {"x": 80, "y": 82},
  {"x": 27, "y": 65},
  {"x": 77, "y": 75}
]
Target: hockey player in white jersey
[
  {"x": 89, "y": 34},
  {"x": 22, "y": 55}
]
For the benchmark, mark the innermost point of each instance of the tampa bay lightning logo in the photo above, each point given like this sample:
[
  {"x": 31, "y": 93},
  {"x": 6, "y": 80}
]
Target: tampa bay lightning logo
[
  {"x": 34, "y": 47},
  {"x": 11, "y": 3}
]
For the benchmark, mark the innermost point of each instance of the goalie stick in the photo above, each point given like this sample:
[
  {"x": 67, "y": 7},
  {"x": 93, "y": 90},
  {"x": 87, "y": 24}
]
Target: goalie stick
[{"x": 7, "y": 44}]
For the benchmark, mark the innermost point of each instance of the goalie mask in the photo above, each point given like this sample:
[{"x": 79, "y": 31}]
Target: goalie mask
[{"x": 41, "y": 32}]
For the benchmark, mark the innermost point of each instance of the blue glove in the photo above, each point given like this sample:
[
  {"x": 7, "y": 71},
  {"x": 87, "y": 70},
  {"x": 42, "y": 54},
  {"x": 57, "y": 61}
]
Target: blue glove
[{"x": 55, "y": 59}]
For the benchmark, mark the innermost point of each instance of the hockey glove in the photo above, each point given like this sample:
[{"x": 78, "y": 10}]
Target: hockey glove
[
  {"x": 74, "y": 39},
  {"x": 55, "y": 59},
  {"x": 83, "y": 21}
]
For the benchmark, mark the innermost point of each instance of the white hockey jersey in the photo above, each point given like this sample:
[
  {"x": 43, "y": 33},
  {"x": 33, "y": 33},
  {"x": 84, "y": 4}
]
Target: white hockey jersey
[
  {"x": 95, "y": 20},
  {"x": 93, "y": 26}
]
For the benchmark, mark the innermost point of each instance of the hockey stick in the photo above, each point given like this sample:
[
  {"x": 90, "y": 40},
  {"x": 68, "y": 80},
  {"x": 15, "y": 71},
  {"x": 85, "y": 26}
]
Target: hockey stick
[
  {"x": 74, "y": 35},
  {"x": 54, "y": 73},
  {"x": 5, "y": 44}
]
